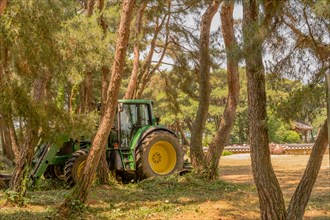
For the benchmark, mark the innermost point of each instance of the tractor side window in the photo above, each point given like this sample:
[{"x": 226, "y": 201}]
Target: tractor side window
[{"x": 144, "y": 115}]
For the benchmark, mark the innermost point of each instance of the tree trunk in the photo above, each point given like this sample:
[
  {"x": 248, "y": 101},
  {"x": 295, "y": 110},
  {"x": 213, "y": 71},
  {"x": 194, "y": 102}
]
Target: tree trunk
[
  {"x": 196, "y": 148},
  {"x": 3, "y": 5},
  {"x": 228, "y": 118},
  {"x": 270, "y": 195},
  {"x": 184, "y": 138},
  {"x": 147, "y": 62},
  {"x": 6, "y": 140},
  {"x": 103, "y": 167},
  {"x": 301, "y": 196},
  {"x": 72, "y": 99},
  {"x": 22, "y": 168},
  {"x": 31, "y": 138},
  {"x": 86, "y": 94},
  {"x": 90, "y": 7},
  {"x": 81, "y": 191},
  {"x": 86, "y": 87},
  {"x": 147, "y": 74},
  {"x": 14, "y": 141},
  {"x": 137, "y": 38}
]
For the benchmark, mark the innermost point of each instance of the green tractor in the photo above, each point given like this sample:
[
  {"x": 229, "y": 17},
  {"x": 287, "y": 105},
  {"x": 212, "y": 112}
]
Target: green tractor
[{"x": 138, "y": 148}]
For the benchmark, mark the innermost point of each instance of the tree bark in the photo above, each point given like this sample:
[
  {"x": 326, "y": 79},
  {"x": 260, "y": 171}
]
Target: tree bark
[
  {"x": 90, "y": 7},
  {"x": 81, "y": 191},
  {"x": 3, "y": 5},
  {"x": 14, "y": 141},
  {"x": 25, "y": 159},
  {"x": 147, "y": 62},
  {"x": 137, "y": 35},
  {"x": 6, "y": 140},
  {"x": 270, "y": 195},
  {"x": 301, "y": 196},
  {"x": 31, "y": 138},
  {"x": 103, "y": 167},
  {"x": 86, "y": 94},
  {"x": 86, "y": 87},
  {"x": 228, "y": 118},
  {"x": 147, "y": 74},
  {"x": 196, "y": 148},
  {"x": 184, "y": 138}
]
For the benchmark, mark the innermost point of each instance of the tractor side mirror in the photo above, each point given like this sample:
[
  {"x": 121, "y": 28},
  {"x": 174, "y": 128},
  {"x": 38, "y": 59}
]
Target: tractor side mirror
[{"x": 157, "y": 120}]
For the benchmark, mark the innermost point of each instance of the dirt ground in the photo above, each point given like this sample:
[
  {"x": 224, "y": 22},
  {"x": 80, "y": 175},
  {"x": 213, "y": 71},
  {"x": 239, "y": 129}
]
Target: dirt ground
[
  {"x": 244, "y": 204},
  {"x": 181, "y": 197}
]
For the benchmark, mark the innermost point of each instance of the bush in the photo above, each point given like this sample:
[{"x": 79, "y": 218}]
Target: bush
[
  {"x": 280, "y": 132},
  {"x": 226, "y": 153},
  {"x": 292, "y": 137}
]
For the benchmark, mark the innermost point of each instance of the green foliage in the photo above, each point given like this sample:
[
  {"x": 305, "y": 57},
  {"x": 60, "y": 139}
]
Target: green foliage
[
  {"x": 279, "y": 132},
  {"x": 76, "y": 206},
  {"x": 13, "y": 197},
  {"x": 56, "y": 47},
  {"x": 84, "y": 47},
  {"x": 18, "y": 198},
  {"x": 226, "y": 153},
  {"x": 176, "y": 99},
  {"x": 292, "y": 137}
]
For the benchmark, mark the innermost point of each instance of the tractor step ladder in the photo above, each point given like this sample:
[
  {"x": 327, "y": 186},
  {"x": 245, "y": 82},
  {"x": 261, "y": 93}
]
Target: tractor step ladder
[{"x": 127, "y": 158}]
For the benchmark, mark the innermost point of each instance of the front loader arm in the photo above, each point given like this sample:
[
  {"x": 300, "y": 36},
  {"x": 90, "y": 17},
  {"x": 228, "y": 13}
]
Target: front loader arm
[{"x": 48, "y": 152}]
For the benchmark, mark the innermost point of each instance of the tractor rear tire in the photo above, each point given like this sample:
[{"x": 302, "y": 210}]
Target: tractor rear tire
[
  {"x": 74, "y": 166},
  {"x": 159, "y": 154}
]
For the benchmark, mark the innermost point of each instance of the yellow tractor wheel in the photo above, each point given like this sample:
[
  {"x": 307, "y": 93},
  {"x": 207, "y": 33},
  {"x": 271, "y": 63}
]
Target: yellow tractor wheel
[
  {"x": 74, "y": 166},
  {"x": 160, "y": 154}
]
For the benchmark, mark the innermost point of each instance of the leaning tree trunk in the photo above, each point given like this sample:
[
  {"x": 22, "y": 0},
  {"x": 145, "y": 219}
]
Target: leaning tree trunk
[
  {"x": 196, "y": 150},
  {"x": 228, "y": 118},
  {"x": 136, "y": 61},
  {"x": 183, "y": 136},
  {"x": 147, "y": 62},
  {"x": 148, "y": 74},
  {"x": 81, "y": 191},
  {"x": 301, "y": 196},
  {"x": 270, "y": 195}
]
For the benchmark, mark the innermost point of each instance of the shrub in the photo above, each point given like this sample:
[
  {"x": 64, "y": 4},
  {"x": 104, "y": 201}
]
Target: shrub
[{"x": 226, "y": 153}]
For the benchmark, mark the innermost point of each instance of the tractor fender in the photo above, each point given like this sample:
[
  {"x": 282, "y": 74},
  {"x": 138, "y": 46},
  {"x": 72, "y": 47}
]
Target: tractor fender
[{"x": 149, "y": 131}]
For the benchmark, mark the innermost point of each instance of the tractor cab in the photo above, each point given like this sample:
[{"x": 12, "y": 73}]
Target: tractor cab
[{"x": 131, "y": 116}]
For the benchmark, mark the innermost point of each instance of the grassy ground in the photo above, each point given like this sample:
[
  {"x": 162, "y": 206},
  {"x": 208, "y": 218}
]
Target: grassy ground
[{"x": 179, "y": 197}]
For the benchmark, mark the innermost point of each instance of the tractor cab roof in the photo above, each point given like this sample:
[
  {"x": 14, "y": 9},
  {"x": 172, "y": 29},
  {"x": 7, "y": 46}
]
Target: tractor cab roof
[{"x": 135, "y": 101}]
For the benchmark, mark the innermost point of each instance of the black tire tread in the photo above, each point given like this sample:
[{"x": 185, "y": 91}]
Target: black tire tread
[{"x": 69, "y": 166}]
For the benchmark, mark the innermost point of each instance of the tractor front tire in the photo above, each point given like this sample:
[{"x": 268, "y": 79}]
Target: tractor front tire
[
  {"x": 54, "y": 172},
  {"x": 160, "y": 154},
  {"x": 74, "y": 166}
]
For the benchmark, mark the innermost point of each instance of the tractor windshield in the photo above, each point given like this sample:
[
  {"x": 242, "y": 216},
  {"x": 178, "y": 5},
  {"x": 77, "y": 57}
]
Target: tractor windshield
[{"x": 132, "y": 117}]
